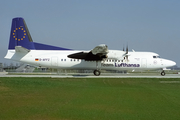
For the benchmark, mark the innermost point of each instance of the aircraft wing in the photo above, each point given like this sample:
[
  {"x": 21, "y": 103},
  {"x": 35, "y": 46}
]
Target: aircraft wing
[{"x": 98, "y": 53}]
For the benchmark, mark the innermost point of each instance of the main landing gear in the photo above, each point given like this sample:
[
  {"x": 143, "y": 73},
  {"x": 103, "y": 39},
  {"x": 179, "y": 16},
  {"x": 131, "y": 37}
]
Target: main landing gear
[
  {"x": 97, "y": 72},
  {"x": 163, "y": 73}
]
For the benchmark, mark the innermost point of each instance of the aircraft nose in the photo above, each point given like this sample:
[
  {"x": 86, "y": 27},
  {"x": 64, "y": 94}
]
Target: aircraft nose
[
  {"x": 170, "y": 63},
  {"x": 173, "y": 63}
]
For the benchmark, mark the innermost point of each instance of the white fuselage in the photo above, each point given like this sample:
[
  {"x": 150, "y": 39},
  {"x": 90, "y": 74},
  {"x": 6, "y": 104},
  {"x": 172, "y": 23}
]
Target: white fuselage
[{"x": 58, "y": 59}]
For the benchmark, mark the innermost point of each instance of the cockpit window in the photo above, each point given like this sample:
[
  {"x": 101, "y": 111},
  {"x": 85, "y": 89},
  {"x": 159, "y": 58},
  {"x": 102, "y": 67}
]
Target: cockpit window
[{"x": 156, "y": 56}]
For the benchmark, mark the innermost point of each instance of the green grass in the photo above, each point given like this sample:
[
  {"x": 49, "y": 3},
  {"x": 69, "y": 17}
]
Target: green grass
[{"x": 89, "y": 98}]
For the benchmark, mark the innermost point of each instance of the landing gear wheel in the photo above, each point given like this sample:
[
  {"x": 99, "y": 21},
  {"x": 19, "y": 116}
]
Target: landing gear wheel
[
  {"x": 163, "y": 73},
  {"x": 97, "y": 72}
]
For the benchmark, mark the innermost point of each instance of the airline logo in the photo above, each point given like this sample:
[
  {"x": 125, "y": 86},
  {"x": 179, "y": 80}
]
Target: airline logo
[
  {"x": 19, "y": 34},
  {"x": 120, "y": 65},
  {"x": 126, "y": 65}
]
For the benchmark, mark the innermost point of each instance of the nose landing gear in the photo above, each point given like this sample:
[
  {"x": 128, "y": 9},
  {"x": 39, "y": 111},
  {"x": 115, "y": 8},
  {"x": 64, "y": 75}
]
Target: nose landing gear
[{"x": 163, "y": 73}]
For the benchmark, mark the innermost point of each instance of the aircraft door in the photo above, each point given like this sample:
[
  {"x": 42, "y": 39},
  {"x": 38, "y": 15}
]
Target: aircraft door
[
  {"x": 54, "y": 61},
  {"x": 143, "y": 63}
]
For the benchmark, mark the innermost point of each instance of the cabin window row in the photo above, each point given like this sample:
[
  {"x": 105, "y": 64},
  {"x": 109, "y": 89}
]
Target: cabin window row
[{"x": 108, "y": 60}]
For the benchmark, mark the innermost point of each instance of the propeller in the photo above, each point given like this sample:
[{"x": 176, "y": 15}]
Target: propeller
[
  {"x": 126, "y": 54},
  {"x": 127, "y": 49}
]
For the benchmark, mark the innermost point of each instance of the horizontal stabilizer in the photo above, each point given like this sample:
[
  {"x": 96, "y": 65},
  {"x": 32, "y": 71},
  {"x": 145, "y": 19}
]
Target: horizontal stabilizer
[{"x": 21, "y": 49}]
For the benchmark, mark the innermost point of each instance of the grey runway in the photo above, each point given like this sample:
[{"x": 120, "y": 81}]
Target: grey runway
[{"x": 104, "y": 75}]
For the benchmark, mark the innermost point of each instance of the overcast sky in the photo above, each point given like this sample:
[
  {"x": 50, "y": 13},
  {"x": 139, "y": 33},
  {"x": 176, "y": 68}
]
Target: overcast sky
[{"x": 146, "y": 25}]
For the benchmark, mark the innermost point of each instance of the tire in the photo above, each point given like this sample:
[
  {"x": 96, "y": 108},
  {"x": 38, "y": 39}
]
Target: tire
[
  {"x": 97, "y": 72},
  {"x": 163, "y": 73}
]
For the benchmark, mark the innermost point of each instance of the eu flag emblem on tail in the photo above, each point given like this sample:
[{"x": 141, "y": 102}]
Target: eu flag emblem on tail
[
  {"x": 20, "y": 35},
  {"x": 19, "y": 30}
]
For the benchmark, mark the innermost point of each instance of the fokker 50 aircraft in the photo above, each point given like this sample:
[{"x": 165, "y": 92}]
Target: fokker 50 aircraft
[{"x": 23, "y": 49}]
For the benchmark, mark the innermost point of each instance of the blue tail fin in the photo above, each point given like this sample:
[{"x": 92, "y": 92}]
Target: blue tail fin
[{"x": 20, "y": 35}]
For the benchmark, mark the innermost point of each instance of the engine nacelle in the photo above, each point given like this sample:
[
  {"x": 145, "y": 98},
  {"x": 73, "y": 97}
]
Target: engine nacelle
[{"x": 116, "y": 54}]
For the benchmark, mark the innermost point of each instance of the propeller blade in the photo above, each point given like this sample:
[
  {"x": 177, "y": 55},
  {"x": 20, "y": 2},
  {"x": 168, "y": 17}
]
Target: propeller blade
[
  {"x": 127, "y": 53},
  {"x": 127, "y": 49}
]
